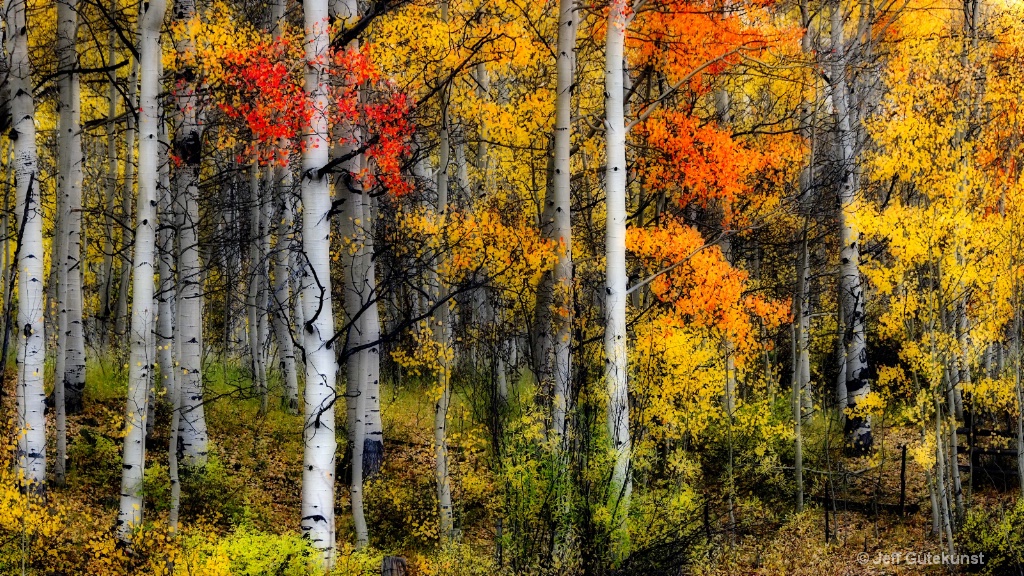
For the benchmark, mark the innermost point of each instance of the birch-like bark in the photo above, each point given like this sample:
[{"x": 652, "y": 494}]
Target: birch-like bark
[
  {"x": 945, "y": 505},
  {"x": 964, "y": 364},
  {"x": 373, "y": 438},
  {"x": 193, "y": 443},
  {"x": 798, "y": 457},
  {"x": 140, "y": 363},
  {"x": 857, "y": 428},
  {"x": 352, "y": 227},
  {"x": 281, "y": 305},
  {"x": 802, "y": 298},
  {"x": 442, "y": 329},
  {"x": 256, "y": 283},
  {"x": 561, "y": 225},
  {"x": 127, "y": 198},
  {"x": 615, "y": 338},
  {"x": 173, "y": 450},
  {"x": 69, "y": 375},
  {"x": 361, "y": 311},
  {"x": 31, "y": 424},
  {"x": 321, "y": 363},
  {"x": 263, "y": 301},
  {"x": 74, "y": 368},
  {"x": 106, "y": 275},
  {"x": 165, "y": 292}
]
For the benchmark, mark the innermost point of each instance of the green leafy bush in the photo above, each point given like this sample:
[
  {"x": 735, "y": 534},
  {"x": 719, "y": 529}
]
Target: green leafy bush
[{"x": 998, "y": 535}]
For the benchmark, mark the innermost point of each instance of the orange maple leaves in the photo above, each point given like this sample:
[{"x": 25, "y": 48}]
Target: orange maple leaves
[{"x": 700, "y": 285}]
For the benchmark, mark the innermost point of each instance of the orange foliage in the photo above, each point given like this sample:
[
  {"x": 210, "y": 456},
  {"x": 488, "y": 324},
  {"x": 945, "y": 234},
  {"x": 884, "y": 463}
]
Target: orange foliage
[{"x": 700, "y": 285}]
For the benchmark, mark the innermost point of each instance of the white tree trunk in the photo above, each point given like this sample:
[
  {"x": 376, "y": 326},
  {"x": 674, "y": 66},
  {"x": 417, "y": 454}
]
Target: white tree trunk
[
  {"x": 615, "y": 337},
  {"x": 31, "y": 424},
  {"x": 281, "y": 305},
  {"x": 442, "y": 335},
  {"x": 166, "y": 291},
  {"x": 193, "y": 444},
  {"x": 858, "y": 429},
  {"x": 561, "y": 227},
  {"x": 263, "y": 302},
  {"x": 140, "y": 364},
  {"x": 373, "y": 441},
  {"x": 255, "y": 288},
  {"x": 321, "y": 362},
  {"x": 356, "y": 227},
  {"x": 69, "y": 188},
  {"x": 106, "y": 275},
  {"x": 128, "y": 195}
]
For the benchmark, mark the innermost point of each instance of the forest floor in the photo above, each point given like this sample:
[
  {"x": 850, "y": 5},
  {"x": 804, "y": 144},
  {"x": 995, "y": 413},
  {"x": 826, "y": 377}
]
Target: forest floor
[{"x": 255, "y": 473}]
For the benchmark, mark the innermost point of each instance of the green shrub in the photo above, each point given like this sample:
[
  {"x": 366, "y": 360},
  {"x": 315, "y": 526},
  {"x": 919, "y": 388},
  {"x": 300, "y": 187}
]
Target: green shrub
[
  {"x": 997, "y": 535},
  {"x": 210, "y": 490},
  {"x": 247, "y": 552},
  {"x": 95, "y": 458}
]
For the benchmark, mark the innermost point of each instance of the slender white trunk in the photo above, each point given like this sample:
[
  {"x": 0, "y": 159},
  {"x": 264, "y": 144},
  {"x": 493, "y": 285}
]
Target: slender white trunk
[
  {"x": 31, "y": 424},
  {"x": 798, "y": 459},
  {"x": 802, "y": 298},
  {"x": 442, "y": 335},
  {"x": 483, "y": 161},
  {"x": 166, "y": 291},
  {"x": 321, "y": 362},
  {"x": 945, "y": 504},
  {"x": 442, "y": 327},
  {"x": 351, "y": 228},
  {"x": 256, "y": 283},
  {"x": 263, "y": 302},
  {"x": 361, "y": 311},
  {"x": 156, "y": 383},
  {"x": 561, "y": 226},
  {"x": 615, "y": 337},
  {"x": 280, "y": 307},
  {"x": 858, "y": 429},
  {"x": 128, "y": 195},
  {"x": 373, "y": 442},
  {"x": 69, "y": 184},
  {"x": 193, "y": 444},
  {"x": 964, "y": 368},
  {"x": 140, "y": 364},
  {"x": 106, "y": 277},
  {"x": 462, "y": 165},
  {"x": 172, "y": 461}
]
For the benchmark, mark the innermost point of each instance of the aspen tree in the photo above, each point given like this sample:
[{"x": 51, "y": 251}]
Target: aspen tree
[
  {"x": 194, "y": 440},
  {"x": 121, "y": 319},
  {"x": 561, "y": 225},
  {"x": 442, "y": 324},
  {"x": 69, "y": 375},
  {"x": 31, "y": 424},
  {"x": 318, "y": 312},
  {"x": 615, "y": 338},
  {"x": 144, "y": 265},
  {"x": 858, "y": 429},
  {"x": 284, "y": 216},
  {"x": 105, "y": 279}
]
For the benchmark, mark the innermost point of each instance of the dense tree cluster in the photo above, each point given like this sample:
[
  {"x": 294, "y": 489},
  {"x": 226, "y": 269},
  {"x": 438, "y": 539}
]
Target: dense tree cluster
[{"x": 652, "y": 255}]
